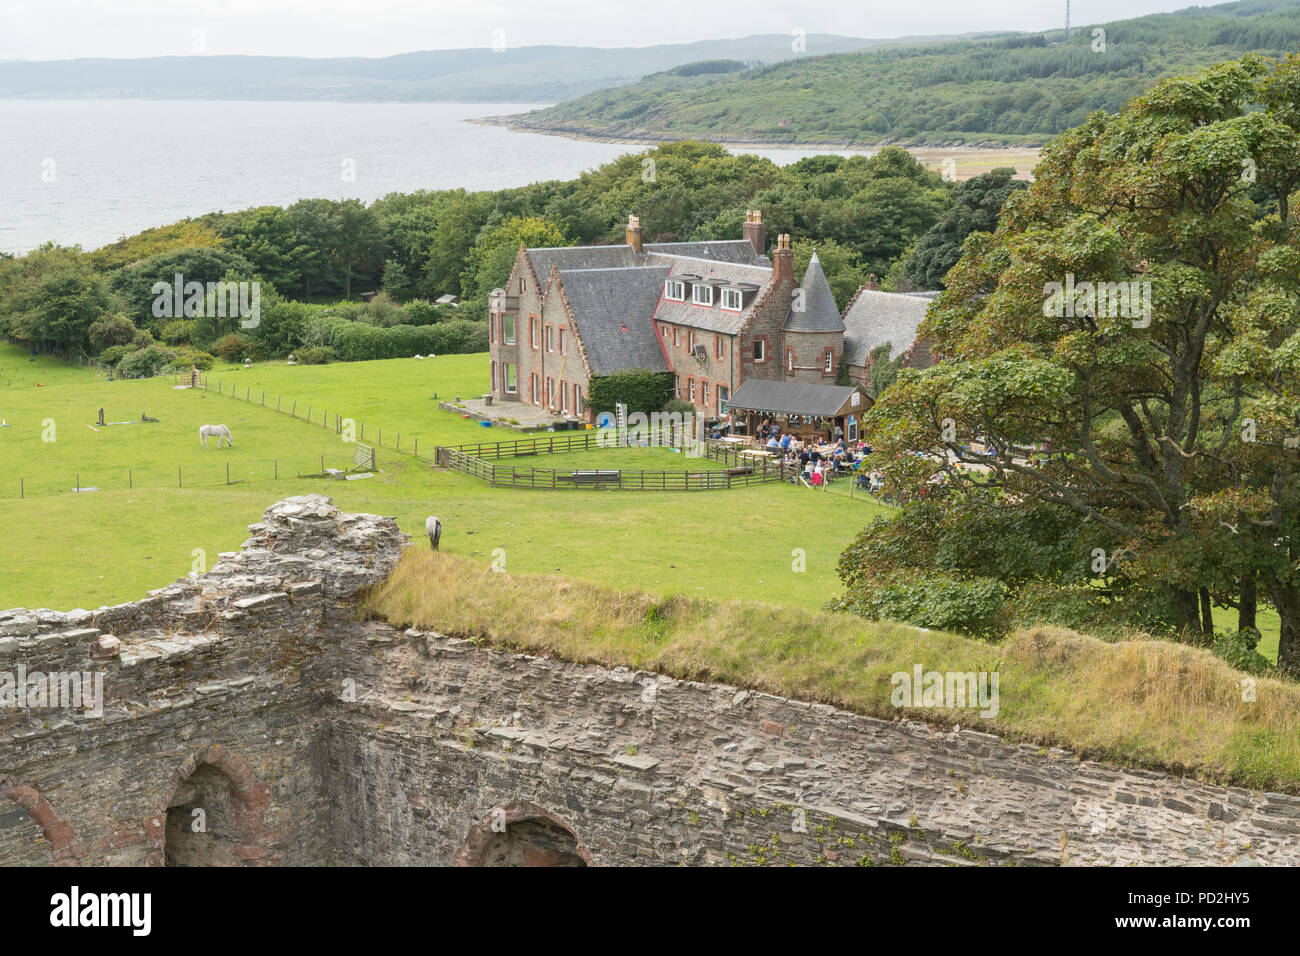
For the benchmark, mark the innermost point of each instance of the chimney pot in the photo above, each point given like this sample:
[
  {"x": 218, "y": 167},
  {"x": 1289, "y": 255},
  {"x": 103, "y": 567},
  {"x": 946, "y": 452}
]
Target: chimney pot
[
  {"x": 753, "y": 231},
  {"x": 634, "y": 233}
]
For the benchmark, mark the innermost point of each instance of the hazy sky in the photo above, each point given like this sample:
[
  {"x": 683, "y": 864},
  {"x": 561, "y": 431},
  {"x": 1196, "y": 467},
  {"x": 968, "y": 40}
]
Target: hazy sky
[{"x": 62, "y": 29}]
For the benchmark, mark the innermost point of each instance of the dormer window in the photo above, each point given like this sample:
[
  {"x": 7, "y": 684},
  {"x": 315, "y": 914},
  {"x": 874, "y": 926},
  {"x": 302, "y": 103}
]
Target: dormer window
[
  {"x": 731, "y": 300},
  {"x": 675, "y": 291},
  {"x": 702, "y": 294}
]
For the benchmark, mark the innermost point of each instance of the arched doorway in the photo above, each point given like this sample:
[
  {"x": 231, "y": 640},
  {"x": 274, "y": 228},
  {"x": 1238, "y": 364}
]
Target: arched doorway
[
  {"x": 200, "y": 823},
  {"x": 523, "y": 834},
  {"x": 215, "y": 815}
]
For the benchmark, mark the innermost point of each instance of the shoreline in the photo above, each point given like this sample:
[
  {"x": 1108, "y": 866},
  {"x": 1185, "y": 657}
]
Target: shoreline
[{"x": 515, "y": 125}]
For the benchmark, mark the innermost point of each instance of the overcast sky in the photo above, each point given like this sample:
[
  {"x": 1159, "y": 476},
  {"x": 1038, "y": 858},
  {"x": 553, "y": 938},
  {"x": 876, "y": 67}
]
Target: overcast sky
[{"x": 63, "y": 29}]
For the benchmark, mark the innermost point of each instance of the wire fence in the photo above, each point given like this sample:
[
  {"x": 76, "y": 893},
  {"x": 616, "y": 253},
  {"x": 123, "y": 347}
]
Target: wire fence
[{"x": 368, "y": 433}]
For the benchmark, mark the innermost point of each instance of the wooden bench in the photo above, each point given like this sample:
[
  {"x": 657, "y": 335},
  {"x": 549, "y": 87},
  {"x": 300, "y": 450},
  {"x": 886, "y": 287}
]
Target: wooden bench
[
  {"x": 363, "y": 459},
  {"x": 595, "y": 477},
  {"x": 743, "y": 470}
]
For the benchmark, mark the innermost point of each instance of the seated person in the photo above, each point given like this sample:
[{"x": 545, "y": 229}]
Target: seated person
[
  {"x": 773, "y": 443},
  {"x": 785, "y": 441}
]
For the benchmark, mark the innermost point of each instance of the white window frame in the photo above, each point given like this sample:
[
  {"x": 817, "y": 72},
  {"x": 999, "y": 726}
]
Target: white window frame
[
  {"x": 507, "y": 338},
  {"x": 760, "y": 350},
  {"x": 512, "y": 382},
  {"x": 674, "y": 290},
  {"x": 734, "y": 297},
  {"x": 564, "y": 344},
  {"x": 702, "y": 295},
  {"x": 830, "y": 361}
]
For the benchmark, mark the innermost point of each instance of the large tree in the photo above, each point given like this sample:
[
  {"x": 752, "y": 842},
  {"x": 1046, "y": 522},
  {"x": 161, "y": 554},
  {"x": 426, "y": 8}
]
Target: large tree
[{"x": 1132, "y": 394}]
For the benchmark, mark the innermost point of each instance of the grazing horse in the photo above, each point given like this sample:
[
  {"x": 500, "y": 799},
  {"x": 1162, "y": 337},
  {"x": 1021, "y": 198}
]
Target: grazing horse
[
  {"x": 434, "y": 527},
  {"x": 220, "y": 432}
]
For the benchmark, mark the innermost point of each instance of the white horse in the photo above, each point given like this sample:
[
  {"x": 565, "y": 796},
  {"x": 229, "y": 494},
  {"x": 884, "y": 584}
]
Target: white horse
[
  {"x": 434, "y": 528},
  {"x": 220, "y": 432}
]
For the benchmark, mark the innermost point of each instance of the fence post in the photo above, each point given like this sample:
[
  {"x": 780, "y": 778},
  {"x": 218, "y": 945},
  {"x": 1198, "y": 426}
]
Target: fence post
[
  {"x": 417, "y": 447},
  {"x": 399, "y": 441},
  {"x": 263, "y": 398},
  {"x": 277, "y": 403},
  {"x": 179, "y": 482},
  {"x": 322, "y": 464},
  {"x": 277, "y": 467},
  {"x": 130, "y": 480},
  {"x": 78, "y": 481},
  {"x": 294, "y": 409},
  {"x": 21, "y": 490}
]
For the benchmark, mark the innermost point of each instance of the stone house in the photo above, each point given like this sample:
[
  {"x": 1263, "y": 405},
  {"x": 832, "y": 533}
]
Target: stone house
[{"x": 712, "y": 313}]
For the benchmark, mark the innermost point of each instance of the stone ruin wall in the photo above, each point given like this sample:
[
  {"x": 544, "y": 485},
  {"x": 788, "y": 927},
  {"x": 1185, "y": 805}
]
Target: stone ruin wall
[{"x": 232, "y": 692}]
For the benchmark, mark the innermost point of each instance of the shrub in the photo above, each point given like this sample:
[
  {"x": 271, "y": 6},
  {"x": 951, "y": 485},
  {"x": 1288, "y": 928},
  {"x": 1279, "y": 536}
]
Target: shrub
[
  {"x": 146, "y": 361},
  {"x": 176, "y": 332},
  {"x": 236, "y": 348},
  {"x": 318, "y": 355},
  {"x": 115, "y": 353},
  {"x": 679, "y": 406},
  {"x": 142, "y": 339},
  {"x": 110, "y": 330},
  {"x": 1238, "y": 650},
  {"x": 641, "y": 390},
  {"x": 975, "y": 607},
  {"x": 187, "y": 358}
]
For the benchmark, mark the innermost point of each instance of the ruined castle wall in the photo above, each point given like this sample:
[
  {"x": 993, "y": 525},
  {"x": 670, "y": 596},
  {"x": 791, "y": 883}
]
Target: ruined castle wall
[{"x": 307, "y": 736}]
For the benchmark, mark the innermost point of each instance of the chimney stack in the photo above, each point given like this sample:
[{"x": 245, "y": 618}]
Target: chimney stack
[
  {"x": 753, "y": 231},
  {"x": 634, "y": 233},
  {"x": 871, "y": 284},
  {"x": 783, "y": 259}
]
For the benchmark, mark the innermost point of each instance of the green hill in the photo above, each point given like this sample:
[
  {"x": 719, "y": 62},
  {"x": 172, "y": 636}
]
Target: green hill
[{"x": 1010, "y": 89}]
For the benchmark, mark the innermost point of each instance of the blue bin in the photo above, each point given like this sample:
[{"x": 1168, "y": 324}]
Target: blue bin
[{"x": 486, "y": 424}]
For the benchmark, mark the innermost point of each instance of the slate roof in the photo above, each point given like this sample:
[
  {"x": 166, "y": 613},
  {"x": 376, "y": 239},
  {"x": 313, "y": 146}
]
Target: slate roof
[
  {"x": 792, "y": 398},
  {"x": 546, "y": 258},
  {"x": 577, "y": 257},
  {"x": 611, "y": 308},
  {"x": 819, "y": 312},
  {"x": 874, "y": 318},
  {"x": 719, "y": 274},
  {"x": 738, "y": 251}
]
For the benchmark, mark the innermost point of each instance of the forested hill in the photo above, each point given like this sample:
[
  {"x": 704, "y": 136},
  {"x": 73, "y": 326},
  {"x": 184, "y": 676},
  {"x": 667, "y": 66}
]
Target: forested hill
[
  {"x": 524, "y": 74},
  {"x": 1020, "y": 89}
]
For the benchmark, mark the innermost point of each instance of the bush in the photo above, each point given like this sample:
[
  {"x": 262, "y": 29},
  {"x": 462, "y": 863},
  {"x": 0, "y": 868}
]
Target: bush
[
  {"x": 1238, "y": 650},
  {"x": 142, "y": 339},
  {"x": 679, "y": 406},
  {"x": 359, "y": 341},
  {"x": 319, "y": 355},
  {"x": 641, "y": 390},
  {"x": 236, "y": 348},
  {"x": 144, "y": 362},
  {"x": 187, "y": 358},
  {"x": 115, "y": 354},
  {"x": 975, "y": 607},
  {"x": 110, "y": 330},
  {"x": 176, "y": 332}
]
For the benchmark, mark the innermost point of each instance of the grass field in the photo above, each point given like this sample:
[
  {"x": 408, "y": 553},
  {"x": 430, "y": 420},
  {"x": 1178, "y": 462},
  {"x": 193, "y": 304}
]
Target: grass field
[
  {"x": 149, "y": 524},
  {"x": 770, "y": 542}
]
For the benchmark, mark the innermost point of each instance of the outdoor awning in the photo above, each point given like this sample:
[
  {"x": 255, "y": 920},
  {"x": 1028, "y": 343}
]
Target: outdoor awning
[{"x": 798, "y": 398}]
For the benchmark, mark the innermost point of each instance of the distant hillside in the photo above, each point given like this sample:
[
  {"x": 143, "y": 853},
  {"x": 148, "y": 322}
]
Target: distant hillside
[
  {"x": 516, "y": 74},
  {"x": 1011, "y": 89}
]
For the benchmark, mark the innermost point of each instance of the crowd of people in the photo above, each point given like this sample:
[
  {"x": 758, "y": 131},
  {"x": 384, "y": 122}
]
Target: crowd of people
[{"x": 819, "y": 462}]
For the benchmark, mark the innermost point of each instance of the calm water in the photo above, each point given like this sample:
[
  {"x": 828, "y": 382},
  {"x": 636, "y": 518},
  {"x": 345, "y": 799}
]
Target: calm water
[{"x": 90, "y": 172}]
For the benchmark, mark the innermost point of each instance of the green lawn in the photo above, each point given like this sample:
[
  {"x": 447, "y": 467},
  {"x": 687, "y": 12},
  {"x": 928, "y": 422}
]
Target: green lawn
[{"x": 770, "y": 542}]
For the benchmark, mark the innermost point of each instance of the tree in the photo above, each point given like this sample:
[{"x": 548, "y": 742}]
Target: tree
[
  {"x": 1133, "y": 390},
  {"x": 493, "y": 256},
  {"x": 974, "y": 207},
  {"x": 395, "y": 283}
]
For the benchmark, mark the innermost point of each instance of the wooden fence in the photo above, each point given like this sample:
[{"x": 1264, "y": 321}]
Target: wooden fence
[{"x": 477, "y": 460}]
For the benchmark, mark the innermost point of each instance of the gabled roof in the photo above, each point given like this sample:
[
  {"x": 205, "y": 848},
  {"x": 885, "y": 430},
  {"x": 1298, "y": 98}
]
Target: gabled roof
[
  {"x": 817, "y": 310},
  {"x": 546, "y": 258},
  {"x": 874, "y": 318},
  {"x": 718, "y": 274},
  {"x": 794, "y": 398},
  {"x": 611, "y": 310}
]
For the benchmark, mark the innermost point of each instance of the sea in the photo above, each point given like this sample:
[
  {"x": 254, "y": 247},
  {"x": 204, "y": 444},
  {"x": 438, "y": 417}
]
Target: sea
[{"x": 89, "y": 172}]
